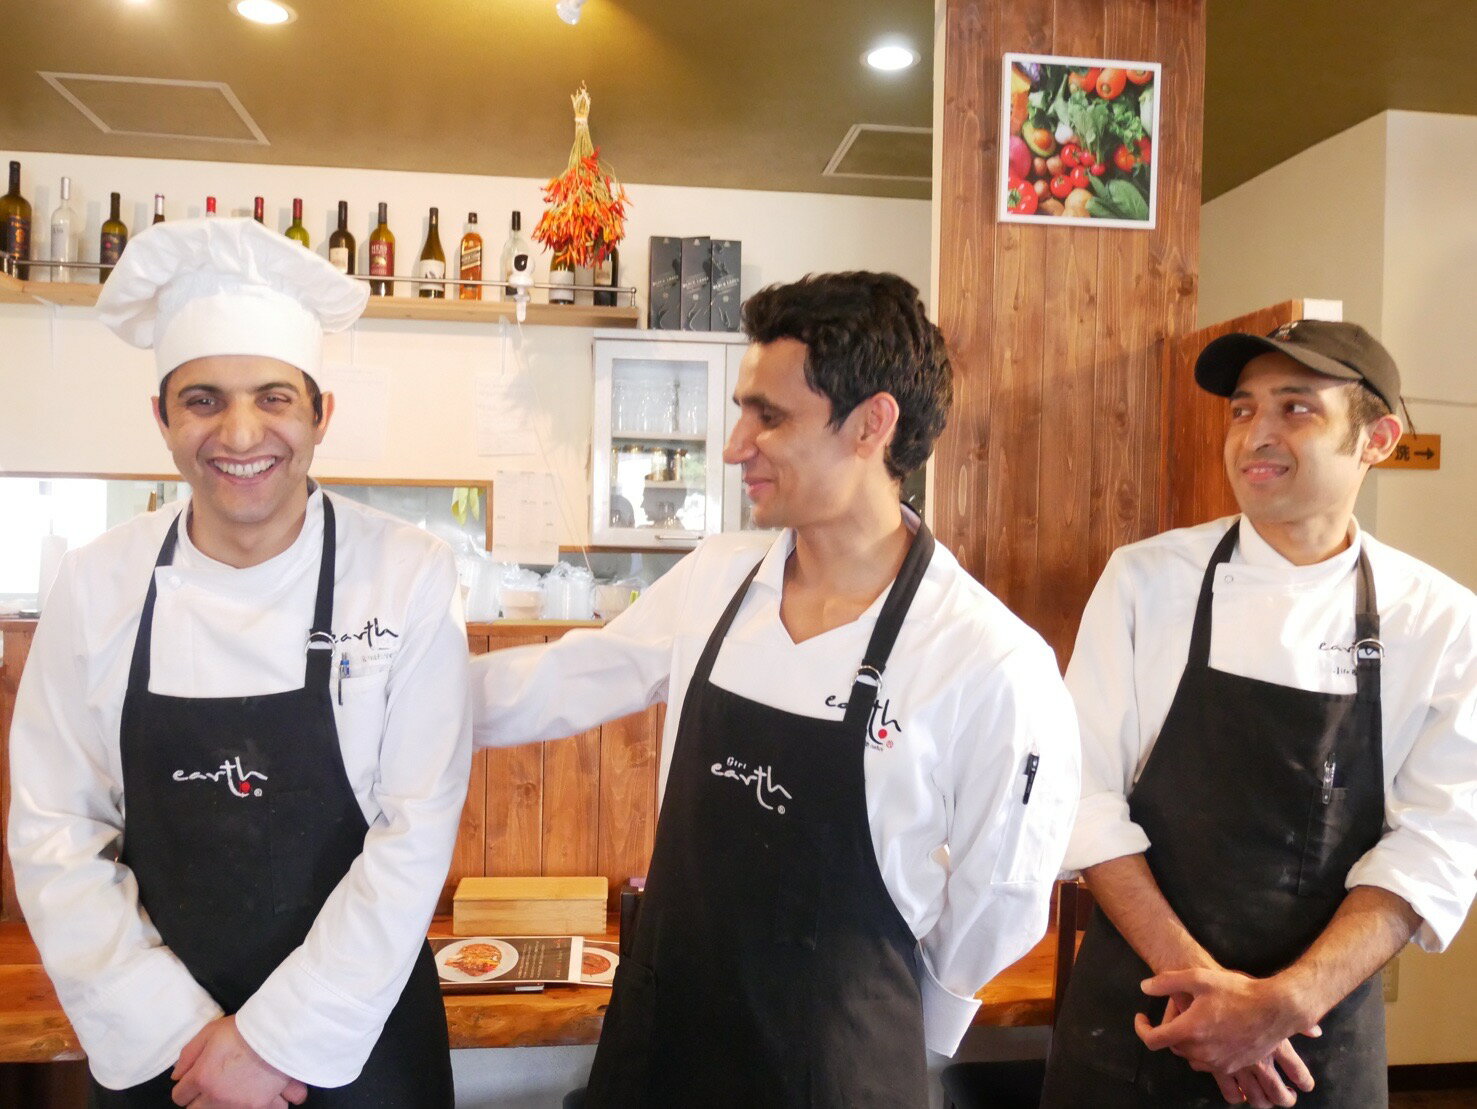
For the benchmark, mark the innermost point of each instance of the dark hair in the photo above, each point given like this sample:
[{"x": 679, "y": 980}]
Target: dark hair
[
  {"x": 1365, "y": 407},
  {"x": 315, "y": 395},
  {"x": 864, "y": 334}
]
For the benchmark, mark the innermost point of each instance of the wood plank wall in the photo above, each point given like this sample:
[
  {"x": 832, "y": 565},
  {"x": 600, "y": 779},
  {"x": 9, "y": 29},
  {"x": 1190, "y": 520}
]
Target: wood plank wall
[{"x": 1051, "y": 458}]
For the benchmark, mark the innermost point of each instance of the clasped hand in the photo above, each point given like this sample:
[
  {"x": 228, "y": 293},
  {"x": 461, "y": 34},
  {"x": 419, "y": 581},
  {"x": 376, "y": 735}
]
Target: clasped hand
[
  {"x": 219, "y": 1070},
  {"x": 1234, "y": 1027}
]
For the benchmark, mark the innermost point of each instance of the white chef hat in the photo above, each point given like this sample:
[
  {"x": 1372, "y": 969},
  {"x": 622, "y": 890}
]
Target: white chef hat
[{"x": 198, "y": 287}]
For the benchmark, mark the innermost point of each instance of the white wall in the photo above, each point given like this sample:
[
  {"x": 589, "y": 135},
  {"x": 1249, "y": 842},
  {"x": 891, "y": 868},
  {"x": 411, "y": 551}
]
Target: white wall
[
  {"x": 1289, "y": 233},
  {"x": 76, "y": 397},
  {"x": 1395, "y": 245}
]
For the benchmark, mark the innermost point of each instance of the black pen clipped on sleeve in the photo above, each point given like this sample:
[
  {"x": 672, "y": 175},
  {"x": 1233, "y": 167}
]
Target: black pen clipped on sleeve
[{"x": 1033, "y": 760}]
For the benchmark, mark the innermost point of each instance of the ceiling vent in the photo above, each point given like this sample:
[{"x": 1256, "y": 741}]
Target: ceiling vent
[
  {"x": 884, "y": 152},
  {"x": 159, "y": 108}
]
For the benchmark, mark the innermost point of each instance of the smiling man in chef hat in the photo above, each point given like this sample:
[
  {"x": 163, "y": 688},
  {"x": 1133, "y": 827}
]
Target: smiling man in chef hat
[{"x": 271, "y": 683}]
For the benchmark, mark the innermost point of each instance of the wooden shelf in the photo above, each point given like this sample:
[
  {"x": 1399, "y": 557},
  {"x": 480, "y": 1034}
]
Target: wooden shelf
[
  {"x": 84, "y": 295},
  {"x": 12, "y": 290}
]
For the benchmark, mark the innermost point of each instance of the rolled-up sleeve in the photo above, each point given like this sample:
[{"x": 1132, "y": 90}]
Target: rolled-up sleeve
[
  {"x": 1004, "y": 852},
  {"x": 1100, "y": 678},
  {"x": 131, "y": 1001},
  {"x": 320, "y": 1012},
  {"x": 1428, "y": 856}
]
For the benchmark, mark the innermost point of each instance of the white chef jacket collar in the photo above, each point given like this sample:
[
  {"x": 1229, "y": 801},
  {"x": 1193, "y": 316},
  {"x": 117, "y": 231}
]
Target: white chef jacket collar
[
  {"x": 772, "y": 569},
  {"x": 1253, "y": 550},
  {"x": 265, "y": 578}
]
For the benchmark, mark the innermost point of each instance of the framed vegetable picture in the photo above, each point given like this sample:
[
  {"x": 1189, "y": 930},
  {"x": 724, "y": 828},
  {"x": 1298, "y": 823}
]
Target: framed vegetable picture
[{"x": 1080, "y": 143}]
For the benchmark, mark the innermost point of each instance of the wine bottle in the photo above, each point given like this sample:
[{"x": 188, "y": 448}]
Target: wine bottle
[
  {"x": 112, "y": 241},
  {"x": 341, "y": 243},
  {"x": 158, "y": 208},
  {"x": 382, "y": 255},
  {"x": 561, "y": 273},
  {"x": 15, "y": 224},
  {"x": 64, "y": 234},
  {"x": 295, "y": 230},
  {"x": 210, "y": 205},
  {"x": 469, "y": 260},
  {"x": 516, "y": 246},
  {"x": 259, "y": 210},
  {"x": 608, "y": 275},
  {"x": 430, "y": 268}
]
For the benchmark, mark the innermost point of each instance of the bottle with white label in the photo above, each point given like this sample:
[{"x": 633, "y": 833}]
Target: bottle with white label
[
  {"x": 430, "y": 267},
  {"x": 561, "y": 277},
  {"x": 515, "y": 248},
  {"x": 341, "y": 242},
  {"x": 64, "y": 234}
]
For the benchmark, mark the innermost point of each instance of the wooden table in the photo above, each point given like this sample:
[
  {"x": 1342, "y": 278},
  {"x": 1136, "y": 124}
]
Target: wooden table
[{"x": 33, "y": 1028}]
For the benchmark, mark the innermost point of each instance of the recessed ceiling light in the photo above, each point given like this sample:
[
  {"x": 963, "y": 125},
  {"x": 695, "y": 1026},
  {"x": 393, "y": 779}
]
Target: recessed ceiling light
[
  {"x": 891, "y": 57},
  {"x": 569, "y": 10},
  {"x": 263, "y": 11}
]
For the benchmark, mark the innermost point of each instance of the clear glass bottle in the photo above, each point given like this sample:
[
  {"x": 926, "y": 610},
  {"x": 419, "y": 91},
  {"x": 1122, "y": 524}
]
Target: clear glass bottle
[{"x": 64, "y": 234}]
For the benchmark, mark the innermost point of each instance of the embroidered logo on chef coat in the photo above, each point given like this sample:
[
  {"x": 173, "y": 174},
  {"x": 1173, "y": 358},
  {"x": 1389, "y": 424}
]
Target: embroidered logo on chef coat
[
  {"x": 1341, "y": 655},
  {"x": 237, "y": 778},
  {"x": 882, "y": 727},
  {"x": 760, "y": 777}
]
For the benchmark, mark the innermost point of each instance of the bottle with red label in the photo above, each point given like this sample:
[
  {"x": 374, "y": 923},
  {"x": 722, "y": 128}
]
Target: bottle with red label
[
  {"x": 259, "y": 210},
  {"x": 15, "y": 223},
  {"x": 382, "y": 255},
  {"x": 210, "y": 205}
]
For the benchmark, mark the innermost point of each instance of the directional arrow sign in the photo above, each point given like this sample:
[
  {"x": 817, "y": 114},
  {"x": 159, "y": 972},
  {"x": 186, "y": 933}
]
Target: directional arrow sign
[{"x": 1415, "y": 452}]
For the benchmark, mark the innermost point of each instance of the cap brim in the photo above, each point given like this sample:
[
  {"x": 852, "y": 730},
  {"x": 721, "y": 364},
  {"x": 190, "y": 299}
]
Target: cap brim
[{"x": 1220, "y": 364}]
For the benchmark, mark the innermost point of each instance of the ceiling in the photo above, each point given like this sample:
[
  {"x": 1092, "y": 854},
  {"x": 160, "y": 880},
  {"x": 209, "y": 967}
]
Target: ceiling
[{"x": 749, "y": 94}]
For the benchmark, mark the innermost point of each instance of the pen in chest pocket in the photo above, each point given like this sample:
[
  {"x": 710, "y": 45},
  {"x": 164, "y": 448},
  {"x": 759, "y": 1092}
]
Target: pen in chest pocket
[
  {"x": 343, "y": 672},
  {"x": 1328, "y": 770}
]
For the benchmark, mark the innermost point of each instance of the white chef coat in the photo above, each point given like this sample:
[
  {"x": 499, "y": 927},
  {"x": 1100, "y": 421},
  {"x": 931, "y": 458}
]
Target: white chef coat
[
  {"x": 969, "y": 693},
  {"x": 403, "y": 728},
  {"x": 1294, "y": 626}
]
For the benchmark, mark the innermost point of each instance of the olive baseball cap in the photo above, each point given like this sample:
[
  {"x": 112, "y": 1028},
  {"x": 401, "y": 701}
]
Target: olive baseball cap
[{"x": 1334, "y": 349}]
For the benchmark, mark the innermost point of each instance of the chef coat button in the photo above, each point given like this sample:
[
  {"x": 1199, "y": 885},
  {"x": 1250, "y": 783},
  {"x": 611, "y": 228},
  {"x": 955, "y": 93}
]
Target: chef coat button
[
  {"x": 174, "y": 580},
  {"x": 1228, "y": 579}
]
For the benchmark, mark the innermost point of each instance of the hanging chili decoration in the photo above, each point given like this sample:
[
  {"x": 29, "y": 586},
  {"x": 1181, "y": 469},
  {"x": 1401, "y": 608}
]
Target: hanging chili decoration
[{"x": 587, "y": 205}]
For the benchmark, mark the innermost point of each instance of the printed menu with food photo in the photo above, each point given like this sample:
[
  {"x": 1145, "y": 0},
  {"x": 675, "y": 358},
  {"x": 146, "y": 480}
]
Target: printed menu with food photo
[
  {"x": 1080, "y": 141},
  {"x": 505, "y": 962}
]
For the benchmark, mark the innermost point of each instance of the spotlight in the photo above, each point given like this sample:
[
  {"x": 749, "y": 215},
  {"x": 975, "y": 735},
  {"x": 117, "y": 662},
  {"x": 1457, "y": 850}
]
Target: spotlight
[
  {"x": 263, "y": 11},
  {"x": 891, "y": 58},
  {"x": 569, "y": 10}
]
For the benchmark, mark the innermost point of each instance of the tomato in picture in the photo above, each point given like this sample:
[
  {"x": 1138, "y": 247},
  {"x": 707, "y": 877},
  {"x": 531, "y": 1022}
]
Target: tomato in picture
[
  {"x": 1124, "y": 158},
  {"x": 1110, "y": 83},
  {"x": 1146, "y": 151},
  {"x": 1097, "y": 169},
  {"x": 1086, "y": 159},
  {"x": 1071, "y": 155},
  {"x": 1140, "y": 76},
  {"x": 1061, "y": 186},
  {"x": 1021, "y": 201},
  {"x": 1078, "y": 178}
]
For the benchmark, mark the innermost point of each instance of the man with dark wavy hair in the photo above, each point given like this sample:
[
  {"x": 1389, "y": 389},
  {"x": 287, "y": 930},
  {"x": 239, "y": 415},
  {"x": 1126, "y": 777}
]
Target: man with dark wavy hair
[{"x": 868, "y": 766}]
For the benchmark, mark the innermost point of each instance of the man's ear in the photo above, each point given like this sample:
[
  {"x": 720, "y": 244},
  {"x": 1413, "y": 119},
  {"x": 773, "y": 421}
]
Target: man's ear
[
  {"x": 879, "y": 415},
  {"x": 327, "y": 415},
  {"x": 1384, "y": 433}
]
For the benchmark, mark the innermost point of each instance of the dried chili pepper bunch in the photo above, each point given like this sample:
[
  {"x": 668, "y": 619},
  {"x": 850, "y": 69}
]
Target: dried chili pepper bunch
[{"x": 587, "y": 205}]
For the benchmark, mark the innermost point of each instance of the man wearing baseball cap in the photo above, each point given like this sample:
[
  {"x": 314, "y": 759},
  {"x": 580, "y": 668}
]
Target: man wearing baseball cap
[
  {"x": 1279, "y": 731},
  {"x": 241, "y": 745}
]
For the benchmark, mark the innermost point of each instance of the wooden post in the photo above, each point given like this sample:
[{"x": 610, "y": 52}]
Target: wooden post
[{"x": 1051, "y": 458}]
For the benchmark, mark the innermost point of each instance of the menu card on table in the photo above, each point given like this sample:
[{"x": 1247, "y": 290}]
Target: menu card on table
[{"x": 515, "y": 964}]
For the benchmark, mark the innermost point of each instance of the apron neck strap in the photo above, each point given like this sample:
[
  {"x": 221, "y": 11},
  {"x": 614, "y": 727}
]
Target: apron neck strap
[
  {"x": 1368, "y": 650},
  {"x": 879, "y": 647},
  {"x": 320, "y": 638},
  {"x": 889, "y": 623}
]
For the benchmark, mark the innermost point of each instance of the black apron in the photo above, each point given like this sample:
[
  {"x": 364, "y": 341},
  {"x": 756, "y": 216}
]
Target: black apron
[
  {"x": 239, "y": 822},
  {"x": 771, "y": 967},
  {"x": 1257, "y": 800}
]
